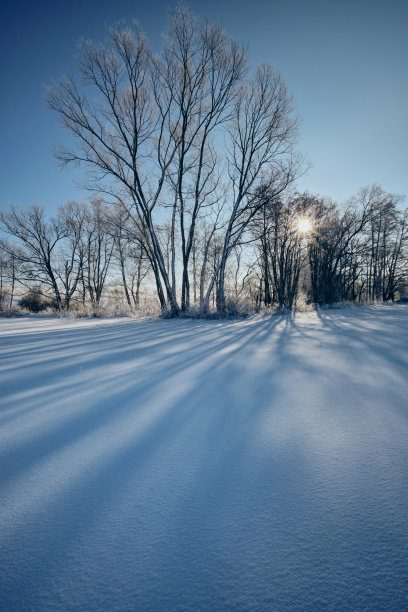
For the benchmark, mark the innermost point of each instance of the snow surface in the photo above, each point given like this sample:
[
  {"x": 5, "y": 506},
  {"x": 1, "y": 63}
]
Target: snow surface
[{"x": 205, "y": 465}]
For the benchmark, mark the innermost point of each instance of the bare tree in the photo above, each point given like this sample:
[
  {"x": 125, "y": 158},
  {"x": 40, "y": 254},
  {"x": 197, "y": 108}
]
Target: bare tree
[
  {"x": 386, "y": 237},
  {"x": 262, "y": 131},
  {"x": 38, "y": 240},
  {"x": 98, "y": 250},
  {"x": 8, "y": 273},
  {"x": 148, "y": 128},
  {"x": 130, "y": 250},
  {"x": 202, "y": 69},
  {"x": 118, "y": 228},
  {"x": 72, "y": 218},
  {"x": 330, "y": 251},
  {"x": 139, "y": 268},
  {"x": 3, "y": 274},
  {"x": 283, "y": 244},
  {"x": 117, "y": 128}
]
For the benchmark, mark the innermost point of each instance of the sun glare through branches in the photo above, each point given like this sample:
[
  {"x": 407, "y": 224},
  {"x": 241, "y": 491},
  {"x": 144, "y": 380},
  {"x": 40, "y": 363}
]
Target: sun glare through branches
[{"x": 304, "y": 225}]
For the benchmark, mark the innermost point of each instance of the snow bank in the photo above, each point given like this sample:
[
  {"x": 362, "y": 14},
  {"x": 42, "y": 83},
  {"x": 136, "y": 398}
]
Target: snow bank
[{"x": 205, "y": 465}]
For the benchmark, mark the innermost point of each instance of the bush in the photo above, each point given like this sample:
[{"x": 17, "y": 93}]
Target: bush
[
  {"x": 12, "y": 311},
  {"x": 235, "y": 309},
  {"x": 33, "y": 301},
  {"x": 111, "y": 308}
]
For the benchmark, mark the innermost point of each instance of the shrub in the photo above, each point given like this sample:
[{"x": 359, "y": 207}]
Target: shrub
[{"x": 33, "y": 301}]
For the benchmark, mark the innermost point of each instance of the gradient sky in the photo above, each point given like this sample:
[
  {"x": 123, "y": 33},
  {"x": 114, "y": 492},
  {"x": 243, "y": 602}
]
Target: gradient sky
[{"x": 344, "y": 61}]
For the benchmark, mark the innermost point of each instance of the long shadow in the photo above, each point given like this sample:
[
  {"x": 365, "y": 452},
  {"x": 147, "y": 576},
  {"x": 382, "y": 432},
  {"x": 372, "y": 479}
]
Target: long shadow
[
  {"x": 134, "y": 456},
  {"x": 382, "y": 331},
  {"x": 114, "y": 391},
  {"x": 197, "y": 510},
  {"x": 132, "y": 459}
]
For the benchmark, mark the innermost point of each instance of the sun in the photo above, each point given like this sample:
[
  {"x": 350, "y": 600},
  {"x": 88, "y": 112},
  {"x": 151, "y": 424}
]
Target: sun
[{"x": 304, "y": 225}]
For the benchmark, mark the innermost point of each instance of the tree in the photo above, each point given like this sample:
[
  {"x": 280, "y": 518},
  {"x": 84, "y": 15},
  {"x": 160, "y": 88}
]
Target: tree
[
  {"x": 72, "y": 218},
  {"x": 263, "y": 132},
  {"x": 386, "y": 237},
  {"x": 202, "y": 69},
  {"x": 8, "y": 273},
  {"x": 129, "y": 252},
  {"x": 151, "y": 131},
  {"x": 332, "y": 249},
  {"x": 38, "y": 246},
  {"x": 98, "y": 244}
]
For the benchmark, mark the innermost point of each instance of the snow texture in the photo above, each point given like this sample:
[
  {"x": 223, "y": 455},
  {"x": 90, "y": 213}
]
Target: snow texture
[{"x": 205, "y": 465}]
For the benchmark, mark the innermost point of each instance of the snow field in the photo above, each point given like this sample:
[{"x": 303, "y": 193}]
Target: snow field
[{"x": 205, "y": 465}]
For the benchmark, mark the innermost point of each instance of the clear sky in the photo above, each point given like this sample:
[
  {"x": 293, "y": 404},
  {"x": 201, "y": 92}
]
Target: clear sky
[{"x": 345, "y": 62}]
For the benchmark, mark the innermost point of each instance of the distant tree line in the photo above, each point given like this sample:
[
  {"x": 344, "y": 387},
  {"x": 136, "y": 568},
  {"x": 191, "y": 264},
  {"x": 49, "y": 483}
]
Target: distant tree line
[
  {"x": 354, "y": 252},
  {"x": 68, "y": 259},
  {"x": 293, "y": 245}
]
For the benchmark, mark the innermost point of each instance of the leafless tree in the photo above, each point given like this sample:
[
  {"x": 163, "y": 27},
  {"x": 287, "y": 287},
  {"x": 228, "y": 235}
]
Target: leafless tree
[
  {"x": 139, "y": 268},
  {"x": 98, "y": 250},
  {"x": 332, "y": 250},
  {"x": 149, "y": 130},
  {"x": 130, "y": 252},
  {"x": 69, "y": 269},
  {"x": 8, "y": 273},
  {"x": 38, "y": 240},
  {"x": 202, "y": 69},
  {"x": 118, "y": 228},
  {"x": 263, "y": 132},
  {"x": 386, "y": 238}
]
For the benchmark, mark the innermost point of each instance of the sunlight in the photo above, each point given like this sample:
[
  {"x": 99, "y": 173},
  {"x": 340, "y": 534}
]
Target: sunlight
[{"x": 304, "y": 225}]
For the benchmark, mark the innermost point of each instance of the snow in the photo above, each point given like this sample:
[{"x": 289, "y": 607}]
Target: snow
[{"x": 205, "y": 465}]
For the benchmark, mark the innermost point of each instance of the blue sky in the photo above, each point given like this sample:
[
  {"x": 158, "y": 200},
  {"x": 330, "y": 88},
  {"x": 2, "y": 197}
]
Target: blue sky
[{"x": 345, "y": 62}]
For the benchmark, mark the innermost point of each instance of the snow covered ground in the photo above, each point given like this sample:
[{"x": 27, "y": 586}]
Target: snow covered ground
[{"x": 205, "y": 465}]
